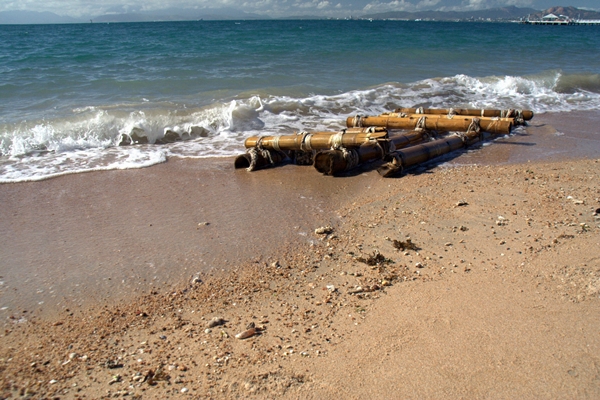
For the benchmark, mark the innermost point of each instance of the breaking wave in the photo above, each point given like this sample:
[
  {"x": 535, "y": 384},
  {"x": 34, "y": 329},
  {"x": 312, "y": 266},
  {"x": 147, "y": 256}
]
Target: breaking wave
[{"x": 102, "y": 138}]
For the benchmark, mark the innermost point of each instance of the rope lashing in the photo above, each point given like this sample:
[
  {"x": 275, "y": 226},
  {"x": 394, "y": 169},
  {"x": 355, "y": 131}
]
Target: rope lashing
[
  {"x": 336, "y": 140},
  {"x": 351, "y": 157},
  {"x": 474, "y": 126},
  {"x": 305, "y": 141},
  {"x": 420, "y": 125},
  {"x": 357, "y": 121},
  {"x": 257, "y": 151},
  {"x": 451, "y": 113},
  {"x": 275, "y": 143},
  {"x": 419, "y": 110}
]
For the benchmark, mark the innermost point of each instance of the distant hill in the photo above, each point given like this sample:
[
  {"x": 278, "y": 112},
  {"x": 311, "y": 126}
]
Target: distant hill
[
  {"x": 169, "y": 14},
  {"x": 34, "y": 17},
  {"x": 503, "y": 13},
  {"x": 178, "y": 14},
  {"x": 570, "y": 12}
]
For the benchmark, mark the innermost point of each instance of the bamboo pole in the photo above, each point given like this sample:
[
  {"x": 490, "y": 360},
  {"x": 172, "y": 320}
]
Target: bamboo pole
[
  {"x": 258, "y": 159},
  {"x": 352, "y": 137},
  {"x": 404, "y": 158},
  {"x": 333, "y": 162},
  {"x": 438, "y": 123},
  {"x": 510, "y": 113}
]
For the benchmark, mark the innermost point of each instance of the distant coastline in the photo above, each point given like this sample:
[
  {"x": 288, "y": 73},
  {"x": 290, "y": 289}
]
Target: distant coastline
[{"x": 504, "y": 14}]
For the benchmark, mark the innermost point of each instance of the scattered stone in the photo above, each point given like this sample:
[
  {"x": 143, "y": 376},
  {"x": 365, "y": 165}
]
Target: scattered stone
[
  {"x": 112, "y": 364},
  {"x": 216, "y": 321},
  {"x": 184, "y": 390},
  {"x": 501, "y": 221},
  {"x": 574, "y": 200},
  {"x": 324, "y": 230},
  {"x": 461, "y": 203},
  {"x": 247, "y": 333}
]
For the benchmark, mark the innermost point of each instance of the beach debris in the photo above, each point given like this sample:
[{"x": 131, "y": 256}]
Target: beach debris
[
  {"x": 364, "y": 289},
  {"x": 368, "y": 139},
  {"x": 461, "y": 203},
  {"x": 574, "y": 200},
  {"x": 112, "y": 364},
  {"x": 152, "y": 377},
  {"x": 324, "y": 230},
  {"x": 406, "y": 245},
  {"x": 196, "y": 279},
  {"x": 216, "y": 321},
  {"x": 115, "y": 379},
  {"x": 374, "y": 259},
  {"x": 331, "y": 288},
  {"x": 501, "y": 221},
  {"x": 248, "y": 333}
]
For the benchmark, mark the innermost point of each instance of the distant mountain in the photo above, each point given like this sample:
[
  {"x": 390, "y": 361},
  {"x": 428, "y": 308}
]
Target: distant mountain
[
  {"x": 504, "y": 13},
  {"x": 571, "y": 12},
  {"x": 178, "y": 14},
  {"x": 34, "y": 17}
]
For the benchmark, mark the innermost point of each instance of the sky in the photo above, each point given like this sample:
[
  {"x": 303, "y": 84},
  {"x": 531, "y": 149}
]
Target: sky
[{"x": 280, "y": 8}]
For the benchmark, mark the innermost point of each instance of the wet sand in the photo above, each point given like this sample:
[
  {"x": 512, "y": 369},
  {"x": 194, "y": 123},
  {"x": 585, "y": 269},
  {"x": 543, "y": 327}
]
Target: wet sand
[
  {"x": 498, "y": 300},
  {"x": 101, "y": 237}
]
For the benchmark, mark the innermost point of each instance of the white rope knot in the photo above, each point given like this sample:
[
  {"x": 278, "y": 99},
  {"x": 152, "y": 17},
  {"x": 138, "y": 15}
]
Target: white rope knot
[
  {"x": 451, "y": 113},
  {"x": 357, "y": 122},
  {"x": 419, "y": 110},
  {"x": 420, "y": 125},
  {"x": 474, "y": 126},
  {"x": 337, "y": 140},
  {"x": 305, "y": 141},
  {"x": 275, "y": 143}
]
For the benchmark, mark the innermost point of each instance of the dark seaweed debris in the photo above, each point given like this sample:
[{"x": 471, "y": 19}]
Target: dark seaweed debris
[
  {"x": 374, "y": 259},
  {"x": 408, "y": 245}
]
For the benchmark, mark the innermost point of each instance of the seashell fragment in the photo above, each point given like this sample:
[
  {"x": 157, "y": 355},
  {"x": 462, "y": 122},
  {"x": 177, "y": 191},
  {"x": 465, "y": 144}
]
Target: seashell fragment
[{"x": 247, "y": 333}]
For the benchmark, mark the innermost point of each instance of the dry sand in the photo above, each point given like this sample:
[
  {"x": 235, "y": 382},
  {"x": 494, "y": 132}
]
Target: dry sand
[{"x": 497, "y": 298}]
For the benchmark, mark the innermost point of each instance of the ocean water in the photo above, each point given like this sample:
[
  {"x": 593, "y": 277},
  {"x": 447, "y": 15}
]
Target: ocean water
[{"x": 75, "y": 98}]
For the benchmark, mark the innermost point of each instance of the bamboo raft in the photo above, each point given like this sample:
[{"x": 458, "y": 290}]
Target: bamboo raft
[{"x": 424, "y": 134}]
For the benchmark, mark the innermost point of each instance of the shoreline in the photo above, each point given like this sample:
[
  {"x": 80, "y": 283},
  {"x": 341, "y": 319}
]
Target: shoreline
[{"x": 498, "y": 300}]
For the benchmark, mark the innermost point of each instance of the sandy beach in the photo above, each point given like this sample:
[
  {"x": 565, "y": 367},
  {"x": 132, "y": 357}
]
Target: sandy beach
[{"x": 477, "y": 276}]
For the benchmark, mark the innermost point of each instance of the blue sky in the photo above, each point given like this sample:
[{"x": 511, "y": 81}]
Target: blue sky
[{"x": 279, "y": 8}]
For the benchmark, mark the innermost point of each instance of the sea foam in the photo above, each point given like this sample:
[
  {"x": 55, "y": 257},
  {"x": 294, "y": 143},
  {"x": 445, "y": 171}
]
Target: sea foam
[{"x": 93, "y": 138}]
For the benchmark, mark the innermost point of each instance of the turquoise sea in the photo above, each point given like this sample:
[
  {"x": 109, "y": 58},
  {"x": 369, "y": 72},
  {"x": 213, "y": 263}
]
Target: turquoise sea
[{"x": 72, "y": 96}]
